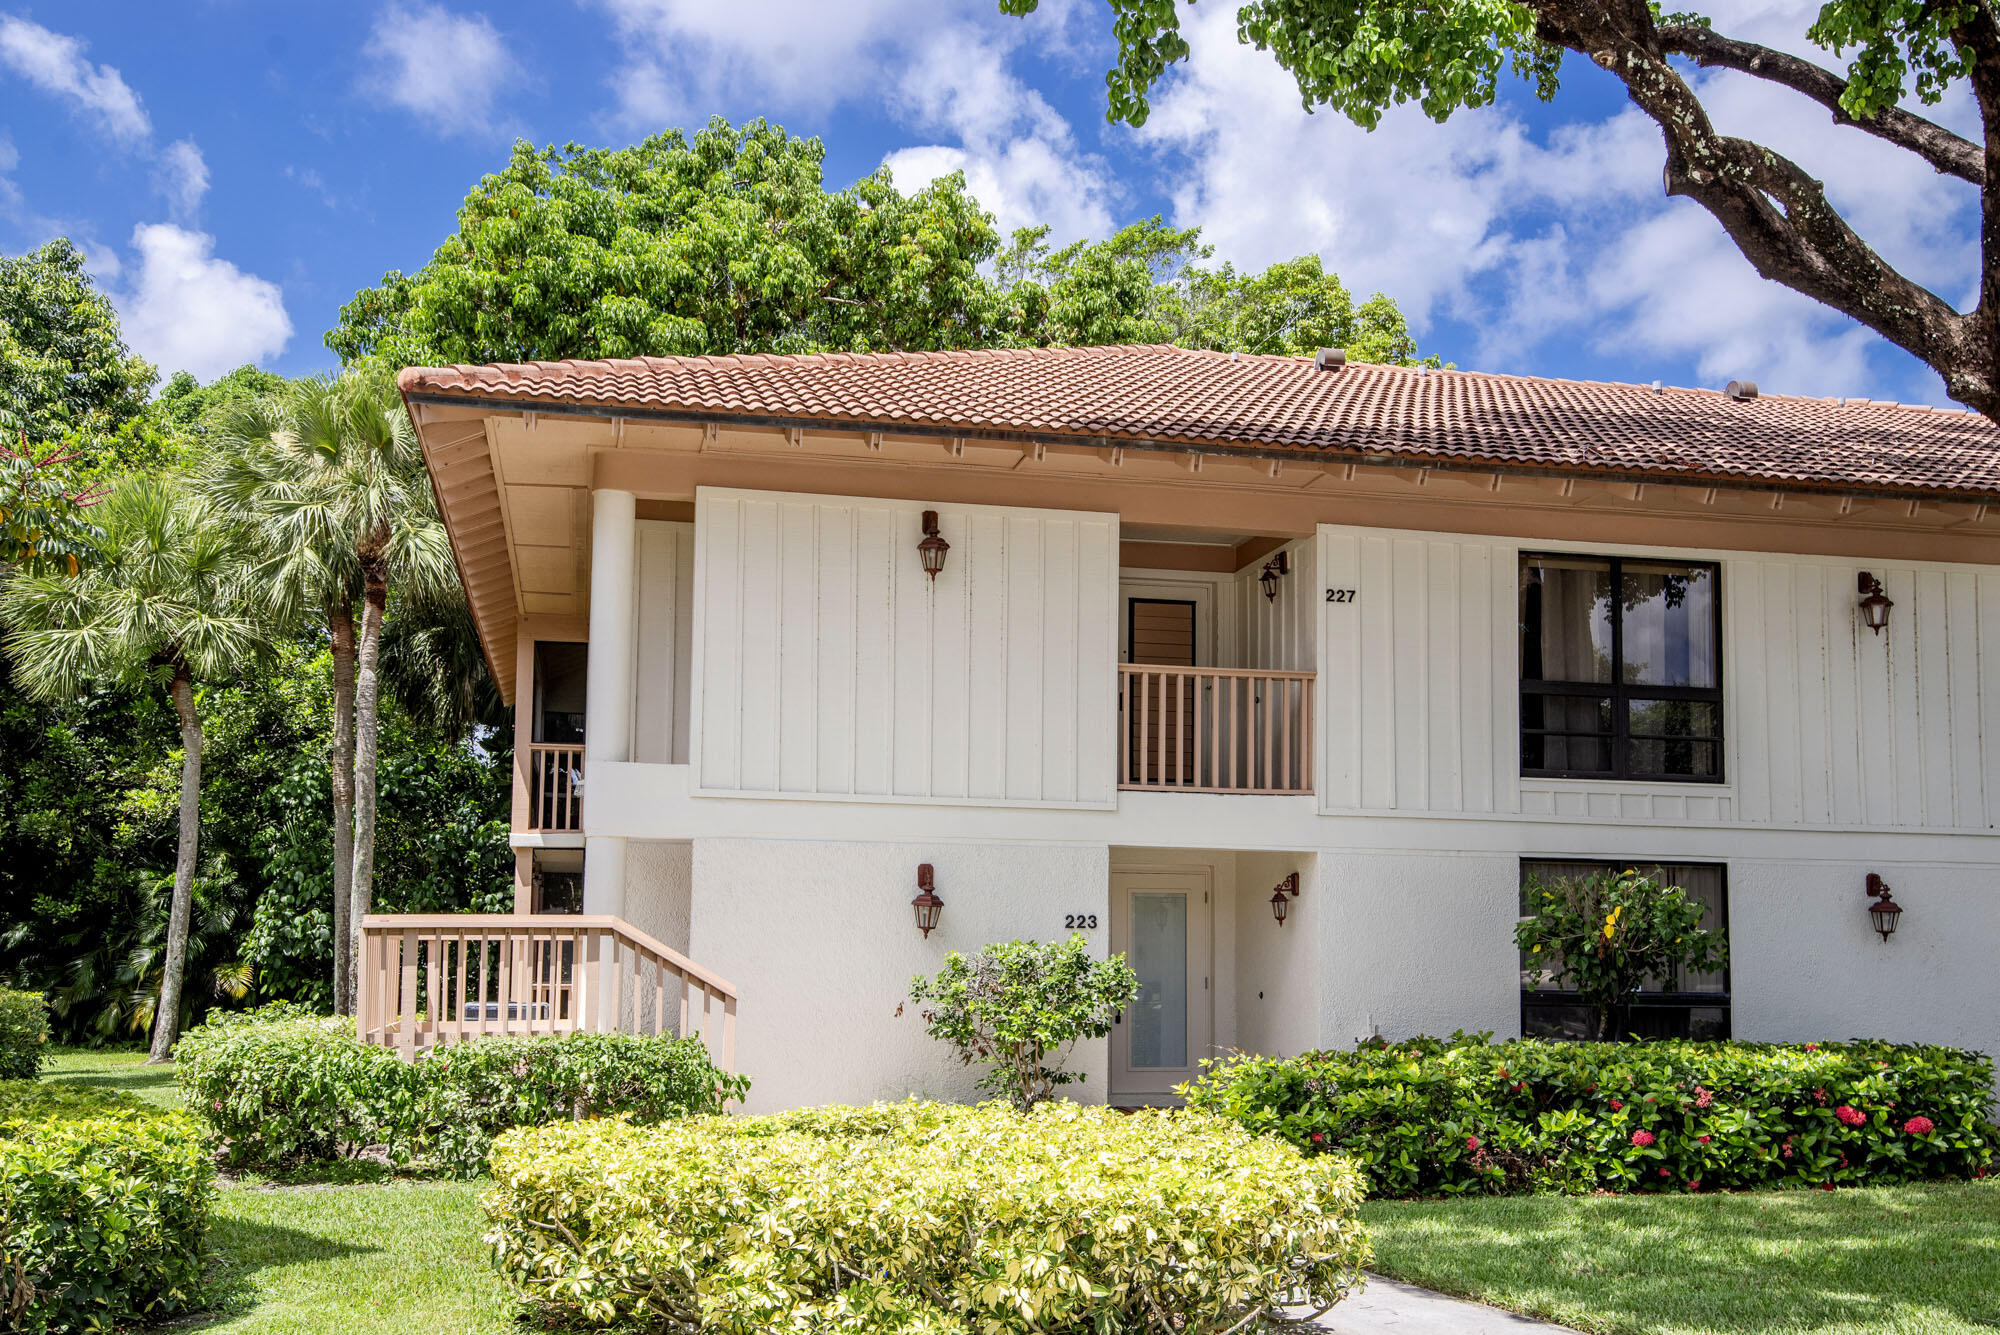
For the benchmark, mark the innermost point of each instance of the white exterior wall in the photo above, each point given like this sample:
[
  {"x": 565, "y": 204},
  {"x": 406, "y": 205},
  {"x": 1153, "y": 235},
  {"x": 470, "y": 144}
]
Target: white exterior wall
[
  {"x": 829, "y": 665},
  {"x": 664, "y": 641},
  {"x": 659, "y": 890},
  {"x": 820, "y": 940}
]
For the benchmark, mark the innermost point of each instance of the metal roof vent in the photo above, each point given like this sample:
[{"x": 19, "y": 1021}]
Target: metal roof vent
[
  {"x": 1329, "y": 359},
  {"x": 1741, "y": 390}
]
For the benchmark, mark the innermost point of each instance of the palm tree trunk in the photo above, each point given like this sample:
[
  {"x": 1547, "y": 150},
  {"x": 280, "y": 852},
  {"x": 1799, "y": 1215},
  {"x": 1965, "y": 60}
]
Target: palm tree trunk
[
  {"x": 340, "y": 624},
  {"x": 167, "y": 1017},
  {"x": 367, "y": 694}
]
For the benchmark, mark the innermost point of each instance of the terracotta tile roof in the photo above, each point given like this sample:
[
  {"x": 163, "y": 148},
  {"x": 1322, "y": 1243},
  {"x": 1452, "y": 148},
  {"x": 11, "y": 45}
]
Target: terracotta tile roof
[{"x": 1265, "y": 404}]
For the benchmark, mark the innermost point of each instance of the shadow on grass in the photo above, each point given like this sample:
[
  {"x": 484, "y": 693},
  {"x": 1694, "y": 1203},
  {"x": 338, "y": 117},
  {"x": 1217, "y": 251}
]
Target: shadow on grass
[
  {"x": 244, "y": 1247},
  {"x": 1901, "y": 1259}
]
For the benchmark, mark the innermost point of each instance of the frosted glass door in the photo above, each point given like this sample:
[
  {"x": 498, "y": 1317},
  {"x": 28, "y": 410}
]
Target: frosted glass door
[{"x": 1159, "y": 1017}]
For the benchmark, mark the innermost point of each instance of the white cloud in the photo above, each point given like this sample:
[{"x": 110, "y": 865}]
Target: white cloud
[
  {"x": 442, "y": 68},
  {"x": 55, "y": 64},
  {"x": 182, "y": 176},
  {"x": 186, "y": 310}
]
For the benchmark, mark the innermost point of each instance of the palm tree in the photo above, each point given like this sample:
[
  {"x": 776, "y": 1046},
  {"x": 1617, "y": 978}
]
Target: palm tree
[
  {"x": 161, "y": 604},
  {"x": 328, "y": 474}
]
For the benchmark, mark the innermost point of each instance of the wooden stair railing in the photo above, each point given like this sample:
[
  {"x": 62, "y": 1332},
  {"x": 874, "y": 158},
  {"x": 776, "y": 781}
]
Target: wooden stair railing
[
  {"x": 429, "y": 979},
  {"x": 1214, "y": 730}
]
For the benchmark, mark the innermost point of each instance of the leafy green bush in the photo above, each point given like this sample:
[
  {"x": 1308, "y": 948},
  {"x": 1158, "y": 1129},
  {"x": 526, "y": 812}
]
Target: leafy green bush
[
  {"x": 1017, "y": 1006},
  {"x": 104, "y": 1205},
  {"x": 279, "y": 1088},
  {"x": 923, "y": 1218},
  {"x": 1429, "y": 1117},
  {"x": 24, "y": 1033}
]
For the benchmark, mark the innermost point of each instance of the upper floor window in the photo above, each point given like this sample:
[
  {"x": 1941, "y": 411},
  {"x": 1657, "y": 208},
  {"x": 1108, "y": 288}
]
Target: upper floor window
[{"x": 1621, "y": 668}]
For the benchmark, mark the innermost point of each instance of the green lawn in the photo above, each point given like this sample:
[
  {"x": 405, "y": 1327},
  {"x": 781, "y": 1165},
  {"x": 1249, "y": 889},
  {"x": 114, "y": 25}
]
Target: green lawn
[
  {"x": 114, "y": 1068},
  {"x": 1919, "y": 1260}
]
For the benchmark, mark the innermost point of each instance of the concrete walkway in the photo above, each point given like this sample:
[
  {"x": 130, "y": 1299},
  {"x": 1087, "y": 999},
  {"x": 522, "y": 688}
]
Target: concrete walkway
[{"x": 1387, "y": 1307}]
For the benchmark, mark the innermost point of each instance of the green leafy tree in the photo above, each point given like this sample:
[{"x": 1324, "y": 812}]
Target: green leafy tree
[
  {"x": 327, "y": 475},
  {"x": 160, "y": 605},
  {"x": 1361, "y": 59},
  {"x": 1604, "y": 935},
  {"x": 1016, "y": 1007},
  {"x": 66, "y": 376}
]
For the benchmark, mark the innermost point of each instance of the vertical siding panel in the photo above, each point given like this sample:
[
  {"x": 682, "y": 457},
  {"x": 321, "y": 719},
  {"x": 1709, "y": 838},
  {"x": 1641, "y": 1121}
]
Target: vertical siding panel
[
  {"x": 1989, "y": 691},
  {"x": 1962, "y": 648},
  {"x": 1810, "y": 654},
  {"x": 833, "y": 704},
  {"x": 798, "y": 644},
  {"x": 1780, "y": 692},
  {"x": 1378, "y": 729},
  {"x": 1445, "y": 657},
  {"x": 1746, "y": 683},
  {"x": 1340, "y": 685},
  {"x": 1875, "y": 715},
  {"x": 1478, "y": 683},
  {"x": 1024, "y": 656},
  {"x": 874, "y": 650},
  {"x": 951, "y": 708},
  {"x": 722, "y": 672},
  {"x": 1506, "y": 664},
  {"x": 987, "y": 550},
  {"x": 653, "y": 645},
  {"x": 1904, "y": 641},
  {"x": 760, "y": 622},
  {"x": 909, "y": 707},
  {"x": 1847, "y": 803},
  {"x": 683, "y": 669},
  {"x": 1934, "y": 698},
  {"x": 1410, "y": 667},
  {"x": 1058, "y": 666},
  {"x": 1097, "y": 656}
]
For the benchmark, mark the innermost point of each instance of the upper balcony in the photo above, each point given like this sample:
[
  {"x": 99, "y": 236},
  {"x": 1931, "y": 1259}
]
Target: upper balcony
[{"x": 1214, "y": 730}]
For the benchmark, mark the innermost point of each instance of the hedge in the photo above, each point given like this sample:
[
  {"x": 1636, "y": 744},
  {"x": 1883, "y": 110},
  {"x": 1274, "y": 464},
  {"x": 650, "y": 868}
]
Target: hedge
[
  {"x": 24, "y": 1034},
  {"x": 922, "y": 1218},
  {"x": 104, "y": 1206},
  {"x": 279, "y": 1089},
  {"x": 1433, "y": 1117}
]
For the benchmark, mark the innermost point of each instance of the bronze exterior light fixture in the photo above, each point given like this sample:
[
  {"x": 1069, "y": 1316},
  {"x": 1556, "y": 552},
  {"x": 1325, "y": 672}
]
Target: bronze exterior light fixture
[
  {"x": 1281, "y": 898},
  {"x": 926, "y": 905},
  {"x": 1883, "y": 913},
  {"x": 1278, "y": 566},
  {"x": 1875, "y": 604},
  {"x": 933, "y": 548}
]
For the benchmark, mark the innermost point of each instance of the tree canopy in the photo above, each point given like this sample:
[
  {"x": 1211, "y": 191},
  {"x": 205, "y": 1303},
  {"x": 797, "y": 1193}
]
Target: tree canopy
[
  {"x": 729, "y": 242},
  {"x": 65, "y": 372},
  {"x": 1361, "y": 59}
]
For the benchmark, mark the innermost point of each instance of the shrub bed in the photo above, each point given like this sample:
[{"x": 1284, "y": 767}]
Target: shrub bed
[
  {"x": 104, "y": 1205},
  {"x": 280, "y": 1089},
  {"x": 24, "y": 1034},
  {"x": 1436, "y": 1117},
  {"x": 922, "y": 1218}
]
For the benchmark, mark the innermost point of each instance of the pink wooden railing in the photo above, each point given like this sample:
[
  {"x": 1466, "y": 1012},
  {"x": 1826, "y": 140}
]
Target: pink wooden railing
[
  {"x": 1214, "y": 730},
  {"x": 555, "y": 787},
  {"x": 428, "y": 979}
]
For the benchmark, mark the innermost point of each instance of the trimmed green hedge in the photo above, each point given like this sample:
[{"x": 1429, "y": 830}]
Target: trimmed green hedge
[
  {"x": 922, "y": 1218},
  {"x": 1432, "y": 1117},
  {"x": 279, "y": 1089},
  {"x": 24, "y": 1034},
  {"x": 104, "y": 1206}
]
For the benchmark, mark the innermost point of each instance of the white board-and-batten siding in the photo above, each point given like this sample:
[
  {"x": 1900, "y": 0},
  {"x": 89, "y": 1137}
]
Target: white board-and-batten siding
[
  {"x": 1826, "y": 725},
  {"x": 663, "y": 642},
  {"x": 829, "y": 665}
]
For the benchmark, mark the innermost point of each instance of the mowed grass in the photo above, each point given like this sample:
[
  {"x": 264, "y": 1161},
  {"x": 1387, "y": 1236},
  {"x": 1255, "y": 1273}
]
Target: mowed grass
[
  {"x": 1915, "y": 1260},
  {"x": 388, "y": 1259}
]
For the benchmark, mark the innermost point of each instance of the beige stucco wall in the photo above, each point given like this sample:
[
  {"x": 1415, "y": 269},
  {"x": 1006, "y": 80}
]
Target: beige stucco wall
[{"x": 659, "y": 889}]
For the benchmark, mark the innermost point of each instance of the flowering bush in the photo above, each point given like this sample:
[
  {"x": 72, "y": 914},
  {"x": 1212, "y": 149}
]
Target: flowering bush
[
  {"x": 1430, "y": 1117},
  {"x": 923, "y": 1219},
  {"x": 278, "y": 1088},
  {"x": 104, "y": 1205}
]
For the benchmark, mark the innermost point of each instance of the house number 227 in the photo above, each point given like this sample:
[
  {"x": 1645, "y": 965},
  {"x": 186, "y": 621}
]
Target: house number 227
[
  {"x": 1340, "y": 595},
  {"x": 1087, "y": 921}
]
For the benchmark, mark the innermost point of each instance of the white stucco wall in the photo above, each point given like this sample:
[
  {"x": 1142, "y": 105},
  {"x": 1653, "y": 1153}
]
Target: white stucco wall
[
  {"x": 659, "y": 889},
  {"x": 818, "y": 938},
  {"x": 1278, "y": 967}
]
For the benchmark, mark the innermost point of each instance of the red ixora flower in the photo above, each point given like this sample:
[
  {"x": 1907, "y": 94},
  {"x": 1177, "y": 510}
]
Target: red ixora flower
[
  {"x": 1786, "y": 1149},
  {"x": 1702, "y": 1139},
  {"x": 1812, "y": 1047},
  {"x": 1317, "y": 1137},
  {"x": 1472, "y": 1142},
  {"x": 1819, "y": 1096},
  {"x": 1826, "y": 1186},
  {"x": 1665, "y": 1173},
  {"x": 1694, "y": 1184},
  {"x": 1642, "y": 1138},
  {"x": 1851, "y": 1116},
  {"x": 1616, "y": 1106},
  {"x": 1703, "y": 1097},
  {"x": 1920, "y": 1126}
]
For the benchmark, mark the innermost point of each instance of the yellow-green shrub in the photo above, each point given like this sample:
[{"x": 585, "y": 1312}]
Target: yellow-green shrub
[
  {"x": 104, "y": 1202},
  {"x": 922, "y": 1218}
]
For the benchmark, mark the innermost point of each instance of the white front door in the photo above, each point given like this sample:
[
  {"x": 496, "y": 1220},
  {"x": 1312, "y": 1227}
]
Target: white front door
[{"x": 1159, "y": 922}]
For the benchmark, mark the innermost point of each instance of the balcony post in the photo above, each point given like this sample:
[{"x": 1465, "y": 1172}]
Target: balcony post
[{"x": 607, "y": 725}]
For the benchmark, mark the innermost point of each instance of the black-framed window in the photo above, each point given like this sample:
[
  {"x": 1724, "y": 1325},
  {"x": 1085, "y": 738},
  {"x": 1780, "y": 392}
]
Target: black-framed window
[
  {"x": 1683, "y": 1006},
  {"x": 1621, "y": 668}
]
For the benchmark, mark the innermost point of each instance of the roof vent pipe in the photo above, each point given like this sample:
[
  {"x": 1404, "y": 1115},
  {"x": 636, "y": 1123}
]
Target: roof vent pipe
[
  {"x": 1741, "y": 390},
  {"x": 1329, "y": 359}
]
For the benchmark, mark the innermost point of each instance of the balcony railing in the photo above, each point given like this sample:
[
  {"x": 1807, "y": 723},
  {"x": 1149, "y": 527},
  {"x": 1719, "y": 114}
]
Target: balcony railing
[
  {"x": 433, "y": 979},
  {"x": 555, "y": 788},
  {"x": 1214, "y": 730}
]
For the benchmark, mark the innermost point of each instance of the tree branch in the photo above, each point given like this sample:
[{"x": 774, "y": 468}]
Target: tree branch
[{"x": 1950, "y": 154}]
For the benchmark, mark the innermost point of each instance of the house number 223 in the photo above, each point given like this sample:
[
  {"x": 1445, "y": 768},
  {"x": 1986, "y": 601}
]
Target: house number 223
[
  {"x": 1340, "y": 595},
  {"x": 1087, "y": 921}
]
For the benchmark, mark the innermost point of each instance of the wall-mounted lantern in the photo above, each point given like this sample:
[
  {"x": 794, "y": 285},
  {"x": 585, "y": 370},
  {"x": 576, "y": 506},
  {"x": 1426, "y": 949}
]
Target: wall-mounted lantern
[
  {"x": 1875, "y": 604},
  {"x": 1281, "y": 898},
  {"x": 933, "y": 548},
  {"x": 1274, "y": 570},
  {"x": 926, "y": 905},
  {"x": 1883, "y": 913}
]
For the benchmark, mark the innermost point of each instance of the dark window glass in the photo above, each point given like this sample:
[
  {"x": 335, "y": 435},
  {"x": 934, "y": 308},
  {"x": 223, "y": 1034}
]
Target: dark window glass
[
  {"x": 1621, "y": 669},
  {"x": 1686, "y": 1006}
]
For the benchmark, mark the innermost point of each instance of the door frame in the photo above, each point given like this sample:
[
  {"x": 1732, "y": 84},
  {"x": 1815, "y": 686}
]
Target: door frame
[{"x": 1125, "y": 1087}]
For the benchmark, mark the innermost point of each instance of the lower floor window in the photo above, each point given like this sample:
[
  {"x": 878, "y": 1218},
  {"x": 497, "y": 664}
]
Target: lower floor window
[{"x": 1684, "y": 1006}]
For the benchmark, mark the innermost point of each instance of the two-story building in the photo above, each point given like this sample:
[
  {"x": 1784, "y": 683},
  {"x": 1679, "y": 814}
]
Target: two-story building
[{"x": 1278, "y": 675}]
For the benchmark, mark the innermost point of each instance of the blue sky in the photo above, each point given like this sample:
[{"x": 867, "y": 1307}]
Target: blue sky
[{"x": 237, "y": 170}]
